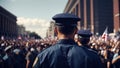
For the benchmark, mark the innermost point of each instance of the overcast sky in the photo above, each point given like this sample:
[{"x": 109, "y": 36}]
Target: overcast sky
[{"x": 34, "y": 14}]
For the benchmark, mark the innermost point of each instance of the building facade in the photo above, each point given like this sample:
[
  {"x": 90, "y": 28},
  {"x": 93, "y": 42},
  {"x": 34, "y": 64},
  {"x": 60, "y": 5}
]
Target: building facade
[
  {"x": 116, "y": 10},
  {"x": 95, "y": 15},
  {"x": 50, "y": 31},
  {"x": 21, "y": 30},
  {"x": 8, "y": 25}
]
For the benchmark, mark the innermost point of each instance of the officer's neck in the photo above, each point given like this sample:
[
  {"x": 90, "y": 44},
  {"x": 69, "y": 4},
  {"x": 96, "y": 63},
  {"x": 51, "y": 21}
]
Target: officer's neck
[{"x": 62, "y": 36}]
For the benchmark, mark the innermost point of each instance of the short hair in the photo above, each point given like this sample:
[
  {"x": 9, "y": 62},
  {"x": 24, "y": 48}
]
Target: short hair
[
  {"x": 66, "y": 30},
  {"x": 84, "y": 40}
]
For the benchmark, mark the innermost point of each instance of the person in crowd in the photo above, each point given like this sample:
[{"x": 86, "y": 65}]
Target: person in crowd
[
  {"x": 1, "y": 58},
  {"x": 66, "y": 53},
  {"x": 30, "y": 57},
  {"x": 8, "y": 58},
  {"x": 17, "y": 58},
  {"x": 116, "y": 57}
]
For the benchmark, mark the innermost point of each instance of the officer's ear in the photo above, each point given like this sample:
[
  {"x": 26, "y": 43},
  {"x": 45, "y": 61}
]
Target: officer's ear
[
  {"x": 55, "y": 30},
  {"x": 76, "y": 30}
]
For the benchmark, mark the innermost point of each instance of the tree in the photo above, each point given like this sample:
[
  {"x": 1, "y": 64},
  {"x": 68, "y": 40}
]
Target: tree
[{"x": 34, "y": 35}]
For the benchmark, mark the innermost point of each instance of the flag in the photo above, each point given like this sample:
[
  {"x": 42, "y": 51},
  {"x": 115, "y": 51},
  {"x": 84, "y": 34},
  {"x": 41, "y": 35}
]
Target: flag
[
  {"x": 105, "y": 35},
  {"x": 2, "y": 37}
]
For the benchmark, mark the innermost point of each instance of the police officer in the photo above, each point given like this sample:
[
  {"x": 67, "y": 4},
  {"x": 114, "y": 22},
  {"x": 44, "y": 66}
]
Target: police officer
[
  {"x": 83, "y": 41},
  {"x": 84, "y": 37},
  {"x": 66, "y": 53}
]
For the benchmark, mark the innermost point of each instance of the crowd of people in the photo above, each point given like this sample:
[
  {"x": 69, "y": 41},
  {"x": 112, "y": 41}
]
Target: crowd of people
[
  {"x": 108, "y": 51},
  {"x": 21, "y": 53}
]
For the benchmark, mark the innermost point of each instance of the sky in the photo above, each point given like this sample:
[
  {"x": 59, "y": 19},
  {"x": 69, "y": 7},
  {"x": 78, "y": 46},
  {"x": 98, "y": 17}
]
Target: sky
[{"x": 35, "y": 15}]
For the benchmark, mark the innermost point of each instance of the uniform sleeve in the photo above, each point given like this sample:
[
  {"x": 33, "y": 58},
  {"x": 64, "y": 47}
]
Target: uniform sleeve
[{"x": 41, "y": 60}]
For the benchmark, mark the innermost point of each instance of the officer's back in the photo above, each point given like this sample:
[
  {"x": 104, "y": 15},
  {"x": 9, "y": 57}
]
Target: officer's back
[{"x": 66, "y": 53}]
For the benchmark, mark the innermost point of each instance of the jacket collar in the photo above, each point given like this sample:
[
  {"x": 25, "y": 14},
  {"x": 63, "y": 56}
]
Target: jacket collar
[{"x": 66, "y": 41}]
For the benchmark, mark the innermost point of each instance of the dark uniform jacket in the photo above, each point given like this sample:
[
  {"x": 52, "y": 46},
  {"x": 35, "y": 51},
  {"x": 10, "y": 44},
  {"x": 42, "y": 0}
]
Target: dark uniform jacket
[{"x": 67, "y": 54}]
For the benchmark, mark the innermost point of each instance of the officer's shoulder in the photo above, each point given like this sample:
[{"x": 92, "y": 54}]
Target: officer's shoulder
[
  {"x": 88, "y": 50},
  {"x": 92, "y": 51}
]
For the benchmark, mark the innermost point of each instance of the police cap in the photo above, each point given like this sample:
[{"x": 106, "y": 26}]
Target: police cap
[
  {"x": 63, "y": 19},
  {"x": 8, "y": 48},
  {"x": 84, "y": 33}
]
